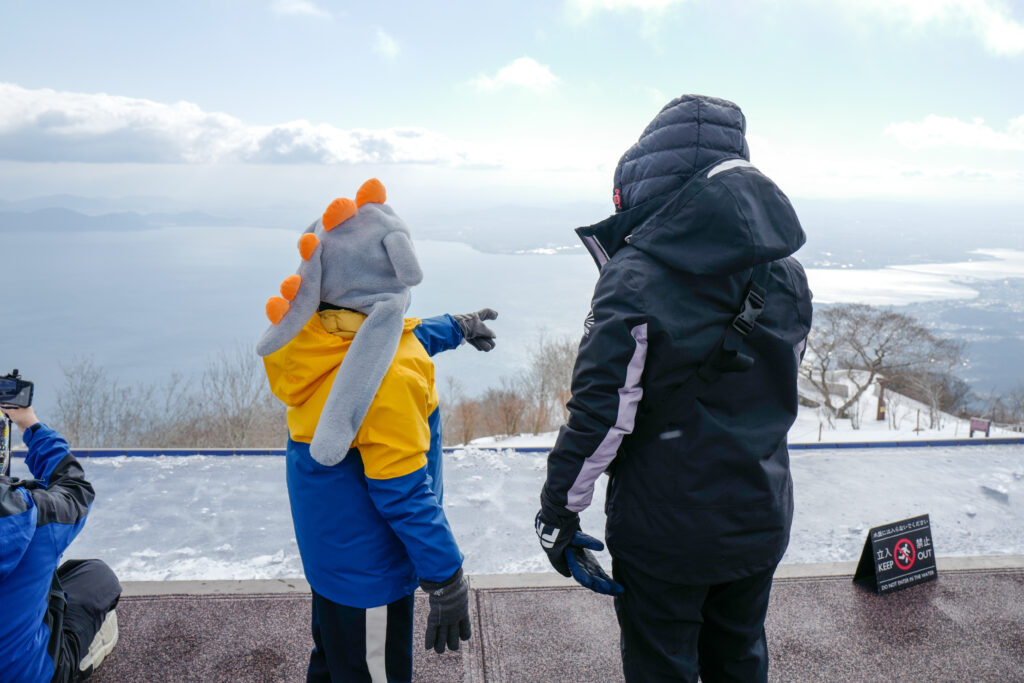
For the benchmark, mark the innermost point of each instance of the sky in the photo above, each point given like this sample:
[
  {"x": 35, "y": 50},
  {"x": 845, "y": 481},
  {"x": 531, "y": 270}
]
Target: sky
[{"x": 222, "y": 104}]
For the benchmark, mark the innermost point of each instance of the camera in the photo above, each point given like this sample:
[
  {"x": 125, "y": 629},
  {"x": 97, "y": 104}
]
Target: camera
[{"x": 14, "y": 391}]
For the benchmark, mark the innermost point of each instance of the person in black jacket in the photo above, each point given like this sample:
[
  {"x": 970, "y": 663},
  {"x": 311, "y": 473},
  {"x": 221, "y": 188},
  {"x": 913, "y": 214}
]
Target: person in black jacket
[{"x": 683, "y": 392}]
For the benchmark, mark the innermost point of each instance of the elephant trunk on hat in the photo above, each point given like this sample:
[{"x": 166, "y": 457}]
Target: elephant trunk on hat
[{"x": 358, "y": 256}]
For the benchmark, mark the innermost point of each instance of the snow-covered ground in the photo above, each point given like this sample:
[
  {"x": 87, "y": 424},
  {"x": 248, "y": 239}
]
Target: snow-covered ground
[
  {"x": 214, "y": 517},
  {"x": 227, "y": 517},
  {"x": 907, "y": 420},
  {"x": 904, "y": 420}
]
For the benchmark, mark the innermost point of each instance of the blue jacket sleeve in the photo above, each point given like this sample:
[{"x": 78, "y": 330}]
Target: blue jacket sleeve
[
  {"x": 46, "y": 448},
  {"x": 414, "y": 513},
  {"x": 17, "y": 525},
  {"x": 61, "y": 494},
  {"x": 437, "y": 334}
]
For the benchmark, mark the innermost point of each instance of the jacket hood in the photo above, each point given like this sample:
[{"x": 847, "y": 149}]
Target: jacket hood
[
  {"x": 727, "y": 218},
  {"x": 689, "y": 133}
]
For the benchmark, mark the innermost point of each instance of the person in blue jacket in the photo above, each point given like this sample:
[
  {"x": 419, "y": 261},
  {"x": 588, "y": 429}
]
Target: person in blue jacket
[
  {"x": 683, "y": 392},
  {"x": 57, "y": 623}
]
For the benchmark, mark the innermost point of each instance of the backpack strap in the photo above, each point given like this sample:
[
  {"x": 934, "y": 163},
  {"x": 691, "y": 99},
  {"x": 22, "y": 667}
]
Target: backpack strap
[{"x": 727, "y": 356}]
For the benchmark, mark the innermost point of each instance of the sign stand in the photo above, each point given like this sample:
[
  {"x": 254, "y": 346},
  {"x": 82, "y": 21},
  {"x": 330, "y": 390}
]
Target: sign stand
[{"x": 897, "y": 556}]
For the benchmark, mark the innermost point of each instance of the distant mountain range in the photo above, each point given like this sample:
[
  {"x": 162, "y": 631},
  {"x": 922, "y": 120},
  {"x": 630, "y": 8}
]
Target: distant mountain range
[
  {"x": 840, "y": 232},
  {"x": 95, "y": 205},
  {"x": 496, "y": 229},
  {"x": 63, "y": 219}
]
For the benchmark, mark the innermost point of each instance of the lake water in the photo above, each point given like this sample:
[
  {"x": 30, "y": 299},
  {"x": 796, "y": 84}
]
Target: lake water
[{"x": 148, "y": 303}]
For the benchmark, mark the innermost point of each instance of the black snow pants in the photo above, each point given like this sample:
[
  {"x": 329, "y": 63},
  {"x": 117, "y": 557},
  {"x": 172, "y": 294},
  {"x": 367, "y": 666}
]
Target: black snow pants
[
  {"x": 675, "y": 632},
  {"x": 358, "y": 645},
  {"x": 82, "y": 593}
]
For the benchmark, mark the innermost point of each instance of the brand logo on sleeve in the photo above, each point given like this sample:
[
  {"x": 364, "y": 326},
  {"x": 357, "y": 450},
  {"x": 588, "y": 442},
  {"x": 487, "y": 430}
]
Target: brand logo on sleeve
[
  {"x": 547, "y": 534},
  {"x": 588, "y": 323}
]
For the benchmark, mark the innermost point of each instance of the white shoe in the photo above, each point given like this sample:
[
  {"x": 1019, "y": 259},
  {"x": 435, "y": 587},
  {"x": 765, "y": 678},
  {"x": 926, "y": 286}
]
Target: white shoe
[{"x": 102, "y": 644}]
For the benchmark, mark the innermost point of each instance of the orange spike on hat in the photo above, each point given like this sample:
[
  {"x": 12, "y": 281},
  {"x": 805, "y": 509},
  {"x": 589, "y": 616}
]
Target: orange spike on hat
[
  {"x": 276, "y": 308},
  {"x": 371, "y": 191},
  {"x": 340, "y": 210},
  {"x": 307, "y": 245},
  {"x": 290, "y": 286}
]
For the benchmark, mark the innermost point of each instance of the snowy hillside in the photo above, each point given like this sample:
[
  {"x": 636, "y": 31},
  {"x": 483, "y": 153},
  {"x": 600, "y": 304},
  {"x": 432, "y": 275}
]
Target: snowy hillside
[{"x": 905, "y": 420}]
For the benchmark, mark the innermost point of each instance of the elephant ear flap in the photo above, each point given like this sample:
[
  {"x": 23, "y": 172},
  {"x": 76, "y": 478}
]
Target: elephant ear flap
[{"x": 403, "y": 258}]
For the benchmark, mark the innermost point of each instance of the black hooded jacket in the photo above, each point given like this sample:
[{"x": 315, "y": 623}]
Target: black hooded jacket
[{"x": 709, "y": 498}]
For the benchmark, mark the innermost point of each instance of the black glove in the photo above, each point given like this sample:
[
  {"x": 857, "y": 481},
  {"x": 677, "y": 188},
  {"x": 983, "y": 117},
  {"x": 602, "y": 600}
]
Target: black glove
[
  {"x": 448, "y": 620},
  {"x": 568, "y": 550},
  {"x": 555, "y": 537},
  {"x": 473, "y": 329}
]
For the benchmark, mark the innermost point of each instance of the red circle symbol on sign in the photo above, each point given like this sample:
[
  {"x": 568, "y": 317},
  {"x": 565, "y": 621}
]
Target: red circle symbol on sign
[{"x": 904, "y": 554}]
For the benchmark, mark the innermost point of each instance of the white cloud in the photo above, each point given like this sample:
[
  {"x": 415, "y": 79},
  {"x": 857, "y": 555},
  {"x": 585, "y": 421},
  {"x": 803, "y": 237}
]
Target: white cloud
[
  {"x": 585, "y": 8},
  {"x": 386, "y": 45},
  {"x": 811, "y": 170},
  {"x": 990, "y": 20},
  {"x": 941, "y": 131},
  {"x": 48, "y": 125},
  {"x": 299, "y": 7},
  {"x": 523, "y": 72}
]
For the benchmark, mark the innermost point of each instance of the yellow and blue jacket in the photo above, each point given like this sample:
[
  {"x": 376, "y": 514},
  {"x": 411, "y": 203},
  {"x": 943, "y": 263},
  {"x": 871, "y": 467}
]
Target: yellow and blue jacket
[{"x": 369, "y": 526}]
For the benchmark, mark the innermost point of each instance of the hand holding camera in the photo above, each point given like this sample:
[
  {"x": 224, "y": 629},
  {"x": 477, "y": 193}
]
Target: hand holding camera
[{"x": 16, "y": 400}]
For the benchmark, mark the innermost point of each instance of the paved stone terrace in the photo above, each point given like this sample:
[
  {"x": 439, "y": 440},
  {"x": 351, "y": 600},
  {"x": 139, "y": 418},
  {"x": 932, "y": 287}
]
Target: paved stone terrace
[{"x": 968, "y": 625}]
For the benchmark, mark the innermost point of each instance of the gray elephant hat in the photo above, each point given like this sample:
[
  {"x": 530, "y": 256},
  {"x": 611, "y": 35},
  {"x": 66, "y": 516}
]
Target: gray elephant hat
[{"x": 359, "y": 256}]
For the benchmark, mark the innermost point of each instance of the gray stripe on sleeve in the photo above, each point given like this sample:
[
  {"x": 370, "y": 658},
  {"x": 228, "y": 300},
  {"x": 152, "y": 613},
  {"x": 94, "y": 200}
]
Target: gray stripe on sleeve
[{"x": 582, "y": 491}]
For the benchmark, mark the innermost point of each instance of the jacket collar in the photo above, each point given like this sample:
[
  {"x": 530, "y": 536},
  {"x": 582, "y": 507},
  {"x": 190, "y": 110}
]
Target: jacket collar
[
  {"x": 605, "y": 238},
  {"x": 727, "y": 217}
]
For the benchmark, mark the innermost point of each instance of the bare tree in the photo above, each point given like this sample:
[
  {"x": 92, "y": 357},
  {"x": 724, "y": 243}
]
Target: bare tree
[
  {"x": 546, "y": 382},
  {"x": 860, "y": 344},
  {"x": 936, "y": 388},
  {"x": 532, "y": 401},
  {"x": 94, "y": 410},
  {"x": 503, "y": 409},
  {"x": 172, "y": 419},
  {"x": 232, "y": 407},
  {"x": 451, "y": 394},
  {"x": 466, "y": 423},
  {"x": 236, "y": 403},
  {"x": 896, "y": 410},
  {"x": 1008, "y": 408}
]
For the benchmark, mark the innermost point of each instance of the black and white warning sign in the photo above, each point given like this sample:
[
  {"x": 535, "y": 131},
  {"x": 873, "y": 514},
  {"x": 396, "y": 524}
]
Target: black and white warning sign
[{"x": 897, "y": 555}]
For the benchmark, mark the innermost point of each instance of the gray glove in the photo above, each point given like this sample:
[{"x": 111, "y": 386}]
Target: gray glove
[
  {"x": 473, "y": 329},
  {"x": 448, "y": 621}
]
